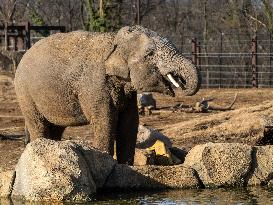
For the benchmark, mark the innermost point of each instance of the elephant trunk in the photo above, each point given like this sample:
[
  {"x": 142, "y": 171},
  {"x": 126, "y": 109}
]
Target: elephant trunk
[
  {"x": 182, "y": 73},
  {"x": 186, "y": 74}
]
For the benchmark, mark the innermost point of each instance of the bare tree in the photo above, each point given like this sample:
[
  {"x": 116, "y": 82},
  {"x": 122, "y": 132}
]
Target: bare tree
[{"x": 7, "y": 10}]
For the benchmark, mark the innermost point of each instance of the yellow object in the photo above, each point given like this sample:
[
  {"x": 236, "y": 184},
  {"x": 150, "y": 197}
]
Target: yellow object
[{"x": 163, "y": 154}]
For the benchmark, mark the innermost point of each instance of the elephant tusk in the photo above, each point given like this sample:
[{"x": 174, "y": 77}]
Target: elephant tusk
[{"x": 173, "y": 80}]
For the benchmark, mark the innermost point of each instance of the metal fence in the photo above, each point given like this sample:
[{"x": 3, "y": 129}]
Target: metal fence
[
  {"x": 231, "y": 61},
  {"x": 21, "y": 36}
]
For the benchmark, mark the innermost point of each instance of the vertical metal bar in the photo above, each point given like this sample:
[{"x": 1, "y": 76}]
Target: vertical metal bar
[
  {"x": 27, "y": 35},
  {"x": 270, "y": 59},
  {"x": 138, "y": 11},
  {"x": 198, "y": 60},
  {"x": 63, "y": 29},
  {"x": 6, "y": 36},
  {"x": 220, "y": 60},
  {"x": 207, "y": 78},
  {"x": 254, "y": 62},
  {"x": 15, "y": 43},
  {"x": 194, "y": 50}
]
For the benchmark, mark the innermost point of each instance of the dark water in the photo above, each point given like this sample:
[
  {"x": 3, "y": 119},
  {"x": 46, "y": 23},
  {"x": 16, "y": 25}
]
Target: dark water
[
  {"x": 238, "y": 196},
  {"x": 203, "y": 196}
]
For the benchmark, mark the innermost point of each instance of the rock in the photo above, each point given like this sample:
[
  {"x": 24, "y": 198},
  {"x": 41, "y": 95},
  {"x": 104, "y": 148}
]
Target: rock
[
  {"x": 220, "y": 164},
  {"x": 262, "y": 166},
  {"x": 152, "y": 177},
  {"x": 60, "y": 170},
  {"x": 143, "y": 157},
  {"x": 180, "y": 153},
  {"x": 146, "y": 100},
  {"x": 146, "y": 137},
  {"x": 100, "y": 164},
  {"x": 6, "y": 183}
]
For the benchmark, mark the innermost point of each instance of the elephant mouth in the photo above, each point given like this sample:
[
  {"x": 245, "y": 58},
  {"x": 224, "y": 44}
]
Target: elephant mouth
[
  {"x": 177, "y": 80},
  {"x": 168, "y": 85}
]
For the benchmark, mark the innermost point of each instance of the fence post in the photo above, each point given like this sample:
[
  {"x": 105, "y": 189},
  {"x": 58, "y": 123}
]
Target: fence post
[
  {"x": 254, "y": 62},
  {"x": 27, "y": 35},
  {"x": 194, "y": 50},
  {"x": 270, "y": 59},
  {"x": 63, "y": 29},
  {"x": 198, "y": 60},
  {"x": 6, "y": 36},
  {"x": 220, "y": 59}
]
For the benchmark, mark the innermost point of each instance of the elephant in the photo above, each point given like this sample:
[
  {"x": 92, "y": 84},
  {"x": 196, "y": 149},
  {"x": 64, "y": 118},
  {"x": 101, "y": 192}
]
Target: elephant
[{"x": 88, "y": 78}]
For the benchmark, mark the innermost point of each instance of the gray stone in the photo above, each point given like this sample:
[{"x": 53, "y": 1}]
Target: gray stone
[
  {"x": 59, "y": 170},
  {"x": 146, "y": 100},
  {"x": 152, "y": 177},
  {"x": 146, "y": 137},
  {"x": 6, "y": 183},
  {"x": 100, "y": 164},
  {"x": 262, "y": 166},
  {"x": 220, "y": 164}
]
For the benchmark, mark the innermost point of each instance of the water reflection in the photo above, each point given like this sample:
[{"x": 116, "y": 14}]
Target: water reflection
[{"x": 238, "y": 196}]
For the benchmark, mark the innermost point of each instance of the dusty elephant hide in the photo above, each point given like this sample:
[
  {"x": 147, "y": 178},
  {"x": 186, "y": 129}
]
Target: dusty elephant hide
[{"x": 83, "y": 78}]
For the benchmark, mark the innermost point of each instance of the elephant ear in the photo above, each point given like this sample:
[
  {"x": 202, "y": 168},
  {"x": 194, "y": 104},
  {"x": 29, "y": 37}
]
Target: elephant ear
[
  {"x": 129, "y": 47},
  {"x": 116, "y": 64},
  {"x": 143, "y": 47}
]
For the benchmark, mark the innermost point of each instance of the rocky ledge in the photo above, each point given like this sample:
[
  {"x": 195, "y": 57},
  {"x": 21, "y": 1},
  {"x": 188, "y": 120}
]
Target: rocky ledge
[{"x": 71, "y": 171}]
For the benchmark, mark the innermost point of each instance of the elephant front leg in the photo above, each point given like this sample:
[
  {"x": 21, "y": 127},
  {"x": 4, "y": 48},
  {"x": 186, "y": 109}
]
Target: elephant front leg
[
  {"x": 103, "y": 124},
  {"x": 127, "y": 132}
]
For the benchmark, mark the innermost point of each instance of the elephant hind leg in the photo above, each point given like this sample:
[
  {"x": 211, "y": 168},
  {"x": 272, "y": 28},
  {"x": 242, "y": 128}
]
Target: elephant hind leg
[
  {"x": 36, "y": 125},
  {"x": 41, "y": 128}
]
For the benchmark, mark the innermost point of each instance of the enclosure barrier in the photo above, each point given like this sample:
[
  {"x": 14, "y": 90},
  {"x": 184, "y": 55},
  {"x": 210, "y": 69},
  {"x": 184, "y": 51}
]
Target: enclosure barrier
[
  {"x": 18, "y": 37},
  {"x": 246, "y": 63}
]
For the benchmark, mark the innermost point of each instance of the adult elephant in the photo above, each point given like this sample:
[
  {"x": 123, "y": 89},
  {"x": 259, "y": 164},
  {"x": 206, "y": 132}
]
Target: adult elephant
[{"x": 82, "y": 78}]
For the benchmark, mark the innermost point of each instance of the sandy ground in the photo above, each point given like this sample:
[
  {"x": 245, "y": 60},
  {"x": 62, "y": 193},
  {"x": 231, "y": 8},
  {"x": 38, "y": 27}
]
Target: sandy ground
[{"x": 12, "y": 122}]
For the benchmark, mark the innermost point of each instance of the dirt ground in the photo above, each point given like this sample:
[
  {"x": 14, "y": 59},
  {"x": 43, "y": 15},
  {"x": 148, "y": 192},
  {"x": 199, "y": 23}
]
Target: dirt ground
[{"x": 12, "y": 122}]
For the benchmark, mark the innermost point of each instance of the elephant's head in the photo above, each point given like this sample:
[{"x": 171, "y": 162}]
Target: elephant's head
[{"x": 151, "y": 63}]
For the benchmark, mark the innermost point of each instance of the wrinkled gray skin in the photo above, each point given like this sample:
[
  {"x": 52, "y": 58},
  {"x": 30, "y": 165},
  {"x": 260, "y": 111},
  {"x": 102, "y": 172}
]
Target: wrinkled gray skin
[{"x": 82, "y": 78}]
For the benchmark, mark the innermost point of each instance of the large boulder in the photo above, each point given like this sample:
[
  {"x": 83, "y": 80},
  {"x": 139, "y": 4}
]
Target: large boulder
[
  {"x": 147, "y": 137},
  {"x": 6, "y": 182},
  {"x": 100, "y": 164},
  {"x": 262, "y": 166},
  {"x": 221, "y": 164},
  {"x": 151, "y": 177},
  {"x": 62, "y": 171}
]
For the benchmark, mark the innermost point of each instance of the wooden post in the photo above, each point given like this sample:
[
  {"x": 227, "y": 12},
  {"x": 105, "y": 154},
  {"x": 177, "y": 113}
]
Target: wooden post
[
  {"x": 194, "y": 50},
  {"x": 27, "y": 36},
  {"x": 254, "y": 63}
]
